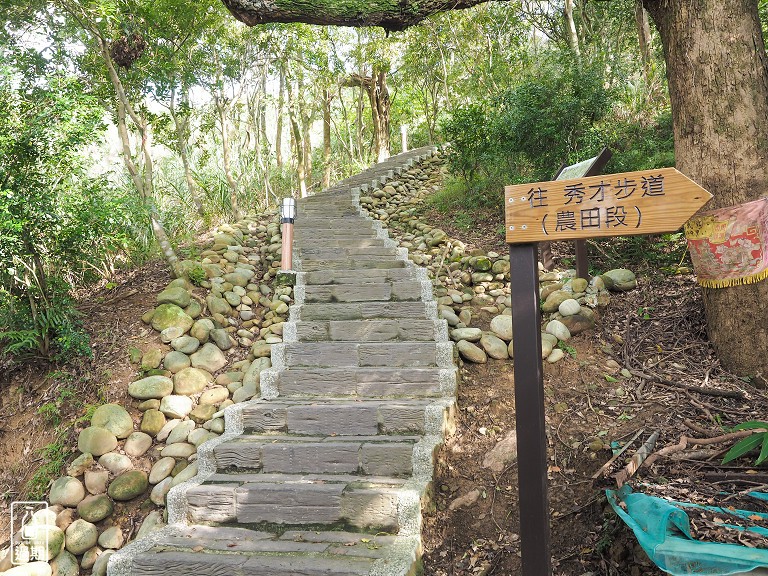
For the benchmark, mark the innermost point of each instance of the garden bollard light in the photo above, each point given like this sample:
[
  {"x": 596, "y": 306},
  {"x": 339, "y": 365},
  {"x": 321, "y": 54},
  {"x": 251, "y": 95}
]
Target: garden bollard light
[{"x": 287, "y": 218}]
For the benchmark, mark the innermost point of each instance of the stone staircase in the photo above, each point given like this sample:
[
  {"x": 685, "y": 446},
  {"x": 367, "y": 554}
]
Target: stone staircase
[{"x": 329, "y": 471}]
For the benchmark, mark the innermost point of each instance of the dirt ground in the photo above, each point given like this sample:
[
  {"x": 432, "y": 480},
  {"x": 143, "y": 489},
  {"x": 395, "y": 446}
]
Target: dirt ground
[{"x": 671, "y": 384}]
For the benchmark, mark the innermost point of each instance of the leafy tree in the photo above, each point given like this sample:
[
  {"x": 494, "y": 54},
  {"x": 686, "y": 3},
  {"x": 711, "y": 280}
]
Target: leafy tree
[{"x": 57, "y": 224}]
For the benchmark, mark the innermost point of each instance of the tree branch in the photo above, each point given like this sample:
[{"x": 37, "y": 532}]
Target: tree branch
[{"x": 389, "y": 14}]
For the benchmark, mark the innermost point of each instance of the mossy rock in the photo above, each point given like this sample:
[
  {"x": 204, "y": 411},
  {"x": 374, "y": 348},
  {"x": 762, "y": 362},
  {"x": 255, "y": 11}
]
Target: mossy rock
[
  {"x": 128, "y": 485},
  {"x": 170, "y": 315}
]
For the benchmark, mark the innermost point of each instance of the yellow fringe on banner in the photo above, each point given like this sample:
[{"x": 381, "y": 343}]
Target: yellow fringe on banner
[{"x": 728, "y": 282}]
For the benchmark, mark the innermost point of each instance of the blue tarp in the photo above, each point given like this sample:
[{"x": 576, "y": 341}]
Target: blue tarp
[{"x": 663, "y": 530}]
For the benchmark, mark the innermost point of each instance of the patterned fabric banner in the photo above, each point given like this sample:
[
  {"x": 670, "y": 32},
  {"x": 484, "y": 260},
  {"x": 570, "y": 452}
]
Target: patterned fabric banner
[{"x": 730, "y": 246}]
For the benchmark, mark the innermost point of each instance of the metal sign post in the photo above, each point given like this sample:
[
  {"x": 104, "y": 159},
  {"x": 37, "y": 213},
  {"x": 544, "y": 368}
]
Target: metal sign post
[{"x": 633, "y": 203}]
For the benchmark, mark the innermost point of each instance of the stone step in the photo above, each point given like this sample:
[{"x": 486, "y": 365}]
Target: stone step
[
  {"x": 270, "y": 454},
  {"x": 225, "y": 551},
  {"x": 350, "y": 264},
  {"x": 369, "y": 503},
  {"x": 361, "y": 354},
  {"x": 313, "y": 234},
  {"x": 311, "y": 252},
  {"x": 368, "y": 241},
  {"x": 359, "y": 276},
  {"x": 339, "y": 417},
  {"x": 368, "y": 330},
  {"x": 362, "y": 311},
  {"x": 409, "y": 290},
  {"x": 367, "y": 383}
]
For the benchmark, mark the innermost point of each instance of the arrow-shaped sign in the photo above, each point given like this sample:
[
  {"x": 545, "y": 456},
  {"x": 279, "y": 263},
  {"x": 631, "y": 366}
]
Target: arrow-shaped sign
[{"x": 627, "y": 204}]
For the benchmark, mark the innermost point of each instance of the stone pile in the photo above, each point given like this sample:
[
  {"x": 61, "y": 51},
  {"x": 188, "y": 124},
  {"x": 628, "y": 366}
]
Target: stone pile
[
  {"x": 473, "y": 283},
  {"x": 215, "y": 341}
]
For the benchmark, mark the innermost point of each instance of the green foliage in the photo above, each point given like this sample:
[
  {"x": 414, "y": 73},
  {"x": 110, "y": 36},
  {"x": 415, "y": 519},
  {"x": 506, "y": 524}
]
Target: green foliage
[
  {"x": 197, "y": 275},
  {"x": 746, "y": 445},
  {"x": 59, "y": 226},
  {"x": 567, "y": 348},
  {"x": 524, "y": 133},
  {"x": 54, "y": 456},
  {"x": 640, "y": 145}
]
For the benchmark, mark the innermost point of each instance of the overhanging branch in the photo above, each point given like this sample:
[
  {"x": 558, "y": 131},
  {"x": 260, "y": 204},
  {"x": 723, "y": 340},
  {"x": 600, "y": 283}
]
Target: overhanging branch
[{"x": 389, "y": 14}]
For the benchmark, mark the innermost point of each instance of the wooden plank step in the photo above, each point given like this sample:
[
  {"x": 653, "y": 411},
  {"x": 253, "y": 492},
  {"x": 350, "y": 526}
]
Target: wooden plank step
[
  {"x": 366, "y": 330},
  {"x": 363, "y": 311},
  {"x": 358, "y": 277},
  {"x": 350, "y": 264},
  {"x": 403, "y": 291}
]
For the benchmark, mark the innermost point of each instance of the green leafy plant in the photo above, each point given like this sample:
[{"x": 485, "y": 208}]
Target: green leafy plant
[
  {"x": 54, "y": 456},
  {"x": 50, "y": 412},
  {"x": 567, "y": 348},
  {"x": 197, "y": 275},
  {"x": 745, "y": 445}
]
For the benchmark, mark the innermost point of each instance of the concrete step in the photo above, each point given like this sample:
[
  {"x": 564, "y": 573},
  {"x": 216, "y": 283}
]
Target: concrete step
[
  {"x": 225, "y": 551},
  {"x": 367, "y": 382},
  {"x": 257, "y": 499},
  {"x": 360, "y": 455},
  {"x": 339, "y": 417},
  {"x": 362, "y": 311},
  {"x": 359, "y": 277},
  {"x": 368, "y": 330},
  {"x": 361, "y": 354},
  {"x": 407, "y": 290},
  {"x": 350, "y": 264}
]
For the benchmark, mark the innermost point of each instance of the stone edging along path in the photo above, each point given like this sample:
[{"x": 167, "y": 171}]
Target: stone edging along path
[{"x": 353, "y": 330}]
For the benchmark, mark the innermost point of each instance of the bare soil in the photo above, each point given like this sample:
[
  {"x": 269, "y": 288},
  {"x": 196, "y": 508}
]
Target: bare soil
[{"x": 673, "y": 386}]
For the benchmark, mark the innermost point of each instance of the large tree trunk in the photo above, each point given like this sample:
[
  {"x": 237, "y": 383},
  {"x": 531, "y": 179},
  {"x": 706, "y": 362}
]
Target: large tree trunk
[
  {"x": 389, "y": 14},
  {"x": 718, "y": 85}
]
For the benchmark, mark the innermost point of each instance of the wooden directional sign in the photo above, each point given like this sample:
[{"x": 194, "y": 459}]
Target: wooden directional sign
[{"x": 645, "y": 202}]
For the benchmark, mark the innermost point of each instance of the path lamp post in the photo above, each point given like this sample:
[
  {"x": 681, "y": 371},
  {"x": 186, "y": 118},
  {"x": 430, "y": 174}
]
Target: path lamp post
[{"x": 287, "y": 218}]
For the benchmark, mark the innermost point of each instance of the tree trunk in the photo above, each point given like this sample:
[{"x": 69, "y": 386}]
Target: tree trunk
[
  {"x": 375, "y": 87},
  {"x": 718, "y": 85},
  {"x": 297, "y": 141},
  {"x": 570, "y": 26},
  {"x": 326, "y": 138},
  {"x": 181, "y": 123},
  {"x": 279, "y": 123},
  {"x": 143, "y": 184},
  {"x": 643, "y": 38},
  {"x": 389, "y": 14}
]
